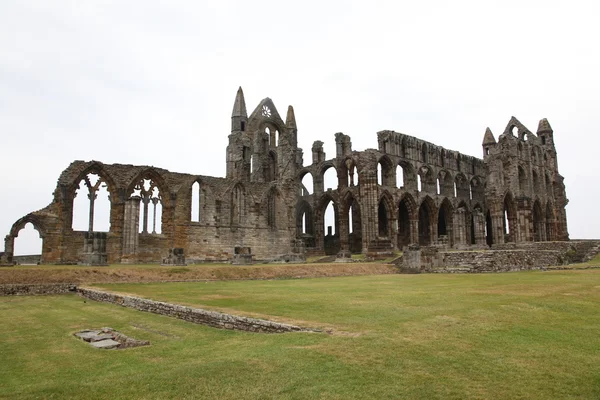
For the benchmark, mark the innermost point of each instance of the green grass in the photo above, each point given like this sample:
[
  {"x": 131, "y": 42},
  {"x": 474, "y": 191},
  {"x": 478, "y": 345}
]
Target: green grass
[{"x": 533, "y": 335}]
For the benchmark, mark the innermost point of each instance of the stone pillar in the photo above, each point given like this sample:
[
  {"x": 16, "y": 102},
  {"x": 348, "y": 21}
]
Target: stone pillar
[
  {"x": 498, "y": 228},
  {"x": 131, "y": 225},
  {"x": 414, "y": 231},
  {"x": 344, "y": 230},
  {"x": 479, "y": 223},
  {"x": 155, "y": 201},
  {"x": 145, "y": 200},
  {"x": 460, "y": 228},
  {"x": 92, "y": 197},
  {"x": 94, "y": 248}
]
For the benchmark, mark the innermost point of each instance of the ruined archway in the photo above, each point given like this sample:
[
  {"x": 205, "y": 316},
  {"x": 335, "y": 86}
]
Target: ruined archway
[
  {"x": 354, "y": 223},
  {"x": 406, "y": 212},
  {"x": 445, "y": 215},
  {"x": 329, "y": 221},
  {"x": 91, "y": 202},
  {"x": 305, "y": 228},
  {"x": 426, "y": 214},
  {"x": 28, "y": 245}
]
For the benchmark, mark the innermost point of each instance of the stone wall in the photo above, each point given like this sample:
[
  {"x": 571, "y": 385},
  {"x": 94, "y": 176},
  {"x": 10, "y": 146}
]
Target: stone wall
[
  {"x": 32, "y": 290},
  {"x": 496, "y": 260},
  {"x": 190, "y": 314},
  {"x": 32, "y": 259}
]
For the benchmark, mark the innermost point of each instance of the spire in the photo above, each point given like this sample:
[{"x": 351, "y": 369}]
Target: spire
[
  {"x": 488, "y": 138},
  {"x": 239, "y": 106},
  {"x": 290, "y": 120},
  {"x": 544, "y": 126}
]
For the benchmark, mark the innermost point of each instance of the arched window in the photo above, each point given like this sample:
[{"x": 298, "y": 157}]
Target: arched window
[
  {"x": 399, "y": 177},
  {"x": 419, "y": 188},
  {"x": 195, "y": 206},
  {"x": 150, "y": 213},
  {"x": 271, "y": 172},
  {"x": 424, "y": 152},
  {"x": 307, "y": 184},
  {"x": 329, "y": 219},
  {"x": 91, "y": 205},
  {"x": 383, "y": 219},
  {"x": 330, "y": 179},
  {"x": 28, "y": 241}
]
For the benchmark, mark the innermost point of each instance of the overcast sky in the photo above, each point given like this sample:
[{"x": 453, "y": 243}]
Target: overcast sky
[{"x": 153, "y": 82}]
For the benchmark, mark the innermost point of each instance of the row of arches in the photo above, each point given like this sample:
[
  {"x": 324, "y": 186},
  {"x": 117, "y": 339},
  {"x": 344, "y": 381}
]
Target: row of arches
[
  {"x": 92, "y": 204},
  {"x": 538, "y": 184},
  {"x": 404, "y": 177},
  {"x": 401, "y": 223},
  {"x": 426, "y": 153}
]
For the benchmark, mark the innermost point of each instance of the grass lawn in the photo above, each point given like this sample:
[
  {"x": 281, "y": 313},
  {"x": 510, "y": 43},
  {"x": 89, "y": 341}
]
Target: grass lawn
[{"x": 474, "y": 336}]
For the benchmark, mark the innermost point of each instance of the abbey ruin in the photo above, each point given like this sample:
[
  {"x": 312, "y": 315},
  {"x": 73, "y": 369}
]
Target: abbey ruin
[{"x": 407, "y": 191}]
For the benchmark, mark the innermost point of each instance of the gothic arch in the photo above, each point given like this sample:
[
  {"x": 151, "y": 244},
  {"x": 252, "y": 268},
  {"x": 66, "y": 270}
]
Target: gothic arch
[
  {"x": 351, "y": 213},
  {"x": 330, "y": 243},
  {"x": 407, "y": 213},
  {"x": 386, "y": 175},
  {"x": 427, "y": 218},
  {"x": 445, "y": 222},
  {"x": 305, "y": 228},
  {"x": 385, "y": 216},
  {"x": 323, "y": 170},
  {"x": 32, "y": 219},
  {"x": 105, "y": 180},
  {"x": 409, "y": 177}
]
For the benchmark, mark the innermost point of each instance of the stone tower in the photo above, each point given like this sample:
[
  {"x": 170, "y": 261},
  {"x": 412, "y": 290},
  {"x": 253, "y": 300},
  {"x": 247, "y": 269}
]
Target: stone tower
[{"x": 525, "y": 193}]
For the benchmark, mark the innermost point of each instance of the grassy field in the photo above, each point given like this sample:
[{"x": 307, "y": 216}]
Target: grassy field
[{"x": 533, "y": 335}]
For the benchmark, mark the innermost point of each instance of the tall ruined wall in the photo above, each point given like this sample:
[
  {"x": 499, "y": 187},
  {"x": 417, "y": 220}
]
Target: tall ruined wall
[{"x": 407, "y": 191}]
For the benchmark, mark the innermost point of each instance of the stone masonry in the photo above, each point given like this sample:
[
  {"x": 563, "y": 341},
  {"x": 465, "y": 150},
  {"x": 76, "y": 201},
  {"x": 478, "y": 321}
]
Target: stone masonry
[{"x": 407, "y": 191}]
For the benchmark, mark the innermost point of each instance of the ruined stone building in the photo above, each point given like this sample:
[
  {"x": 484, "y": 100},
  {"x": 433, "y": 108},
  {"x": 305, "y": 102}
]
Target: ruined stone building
[{"x": 407, "y": 191}]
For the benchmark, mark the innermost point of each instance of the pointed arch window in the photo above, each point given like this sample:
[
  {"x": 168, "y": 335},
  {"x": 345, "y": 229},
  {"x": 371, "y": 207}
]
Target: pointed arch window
[
  {"x": 91, "y": 205},
  {"x": 150, "y": 214}
]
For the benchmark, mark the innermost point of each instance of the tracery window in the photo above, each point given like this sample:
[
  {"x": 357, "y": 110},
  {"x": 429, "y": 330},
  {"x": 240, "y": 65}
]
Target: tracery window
[{"x": 151, "y": 200}]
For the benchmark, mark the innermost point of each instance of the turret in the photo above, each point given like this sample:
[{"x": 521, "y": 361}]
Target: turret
[
  {"x": 292, "y": 128},
  {"x": 489, "y": 141},
  {"x": 545, "y": 132},
  {"x": 239, "y": 117}
]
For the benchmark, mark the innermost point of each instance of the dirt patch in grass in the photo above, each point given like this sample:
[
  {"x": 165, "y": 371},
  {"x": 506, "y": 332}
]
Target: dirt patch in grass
[{"x": 114, "y": 274}]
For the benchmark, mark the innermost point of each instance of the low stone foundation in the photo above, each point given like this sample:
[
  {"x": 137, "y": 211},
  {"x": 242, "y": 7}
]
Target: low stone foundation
[
  {"x": 35, "y": 290},
  {"x": 190, "y": 314}
]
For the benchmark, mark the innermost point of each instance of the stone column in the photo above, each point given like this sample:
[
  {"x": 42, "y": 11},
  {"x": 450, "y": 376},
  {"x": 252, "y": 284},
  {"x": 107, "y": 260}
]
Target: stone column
[
  {"x": 155, "y": 201},
  {"x": 92, "y": 197},
  {"x": 145, "y": 200},
  {"x": 131, "y": 225},
  {"x": 460, "y": 229},
  {"x": 479, "y": 223}
]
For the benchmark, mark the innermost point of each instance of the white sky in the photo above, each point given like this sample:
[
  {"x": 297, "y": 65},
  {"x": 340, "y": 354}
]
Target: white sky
[{"x": 153, "y": 82}]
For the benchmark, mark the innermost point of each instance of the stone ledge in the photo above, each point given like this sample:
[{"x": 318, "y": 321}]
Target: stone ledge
[{"x": 196, "y": 315}]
